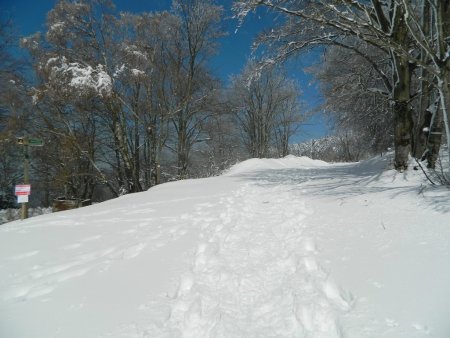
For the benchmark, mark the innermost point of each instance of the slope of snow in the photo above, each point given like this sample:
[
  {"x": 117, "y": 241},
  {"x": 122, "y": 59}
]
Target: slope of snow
[
  {"x": 289, "y": 161},
  {"x": 275, "y": 248}
]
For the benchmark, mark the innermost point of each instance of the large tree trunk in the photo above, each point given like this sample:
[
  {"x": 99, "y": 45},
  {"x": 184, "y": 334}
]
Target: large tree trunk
[
  {"x": 401, "y": 75},
  {"x": 403, "y": 122},
  {"x": 443, "y": 33},
  {"x": 441, "y": 12},
  {"x": 423, "y": 119}
]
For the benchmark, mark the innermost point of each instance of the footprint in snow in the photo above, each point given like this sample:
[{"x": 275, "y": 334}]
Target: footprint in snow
[
  {"x": 391, "y": 322},
  {"x": 310, "y": 246},
  {"x": 422, "y": 328},
  {"x": 72, "y": 246},
  {"x": 337, "y": 296},
  {"x": 186, "y": 283},
  {"x": 377, "y": 285},
  {"x": 310, "y": 264},
  {"x": 25, "y": 255},
  {"x": 134, "y": 251},
  {"x": 91, "y": 238},
  {"x": 127, "y": 232}
]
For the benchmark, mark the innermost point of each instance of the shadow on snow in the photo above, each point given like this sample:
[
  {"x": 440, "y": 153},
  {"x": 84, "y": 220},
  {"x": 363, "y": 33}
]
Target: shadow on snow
[{"x": 356, "y": 179}]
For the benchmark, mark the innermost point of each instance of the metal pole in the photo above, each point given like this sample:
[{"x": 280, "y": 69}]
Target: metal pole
[{"x": 26, "y": 177}]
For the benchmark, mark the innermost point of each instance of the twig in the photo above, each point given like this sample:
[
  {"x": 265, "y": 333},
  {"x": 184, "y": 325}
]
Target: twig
[
  {"x": 422, "y": 188},
  {"x": 426, "y": 175},
  {"x": 444, "y": 180}
]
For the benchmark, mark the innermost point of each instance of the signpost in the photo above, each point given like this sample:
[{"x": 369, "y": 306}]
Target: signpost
[{"x": 23, "y": 190}]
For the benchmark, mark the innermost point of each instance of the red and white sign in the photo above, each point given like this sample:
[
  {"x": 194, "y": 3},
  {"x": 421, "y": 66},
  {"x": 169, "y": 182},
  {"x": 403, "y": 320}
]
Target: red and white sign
[{"x": 23, "y": 189}]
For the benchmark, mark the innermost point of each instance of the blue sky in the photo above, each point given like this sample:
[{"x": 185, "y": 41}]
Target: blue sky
[{"x": 29, "y": 17}]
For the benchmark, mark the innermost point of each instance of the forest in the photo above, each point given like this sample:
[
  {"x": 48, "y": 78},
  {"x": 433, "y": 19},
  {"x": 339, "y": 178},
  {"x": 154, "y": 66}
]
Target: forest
[{"x": 122, "y": 102}]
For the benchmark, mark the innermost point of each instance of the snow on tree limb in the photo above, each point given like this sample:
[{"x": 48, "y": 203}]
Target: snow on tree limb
[{"x": 82, "y": 78}]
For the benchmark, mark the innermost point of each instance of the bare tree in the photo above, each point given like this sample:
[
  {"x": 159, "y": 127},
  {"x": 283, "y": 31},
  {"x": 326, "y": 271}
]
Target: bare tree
[
  {"x": 193, "y": 86},
  {"x": 289, "y": 118},
  {"x": 267, "y": 109}
]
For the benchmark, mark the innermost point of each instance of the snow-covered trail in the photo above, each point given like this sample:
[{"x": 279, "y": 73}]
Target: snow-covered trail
[
  {"x": 383, "y": 237},
  {"x": 275, "y": 248},
  {"x": 255, "y": 274},
  {"x": 320, "y": 251}
]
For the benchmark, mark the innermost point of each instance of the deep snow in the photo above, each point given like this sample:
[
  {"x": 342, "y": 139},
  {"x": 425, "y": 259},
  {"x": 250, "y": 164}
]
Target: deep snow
[{"x": 273, "y": 248}]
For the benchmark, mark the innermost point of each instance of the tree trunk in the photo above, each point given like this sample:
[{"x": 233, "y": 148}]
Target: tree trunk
[
  {"x": 157, "y": 162},
  {"x": 422, "y": 124},
  {"x": 401, "y": 76},
  {"x": 129, "y": 182},
  {"x": 434, "y": 138},
  {"x": 403, "y": 121},
  {"x": 444, "y": 94},
  {"x": 182, "y": 150},
  {"x": 442, "y": 27},
  {"x": 423, "y": 120},
  {"x": 136, "y": 155}
]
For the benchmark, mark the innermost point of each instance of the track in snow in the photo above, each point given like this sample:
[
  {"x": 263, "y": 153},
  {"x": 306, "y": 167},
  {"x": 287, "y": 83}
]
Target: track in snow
[{"x": 255, "y": 274}]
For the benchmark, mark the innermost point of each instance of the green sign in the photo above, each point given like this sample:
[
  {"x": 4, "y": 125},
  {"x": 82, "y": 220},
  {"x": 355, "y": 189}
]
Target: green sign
[{"x": 35, "y": 142}]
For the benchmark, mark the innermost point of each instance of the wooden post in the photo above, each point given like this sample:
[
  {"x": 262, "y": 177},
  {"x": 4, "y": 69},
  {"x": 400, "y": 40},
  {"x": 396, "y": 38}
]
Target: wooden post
[{"x": 26, "y": 176}]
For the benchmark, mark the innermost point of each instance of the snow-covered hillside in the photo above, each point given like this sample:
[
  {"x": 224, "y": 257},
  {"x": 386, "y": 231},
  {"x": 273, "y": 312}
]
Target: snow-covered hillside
[{"x": 274, "y": 248}]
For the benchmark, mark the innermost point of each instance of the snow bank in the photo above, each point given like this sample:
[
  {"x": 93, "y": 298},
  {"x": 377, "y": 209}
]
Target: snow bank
[{"x": 287, "y": 162}]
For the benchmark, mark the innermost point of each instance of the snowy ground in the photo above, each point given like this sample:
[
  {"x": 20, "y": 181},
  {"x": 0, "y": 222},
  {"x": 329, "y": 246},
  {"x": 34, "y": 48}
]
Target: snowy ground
[{"x": 274, "y": 248}]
